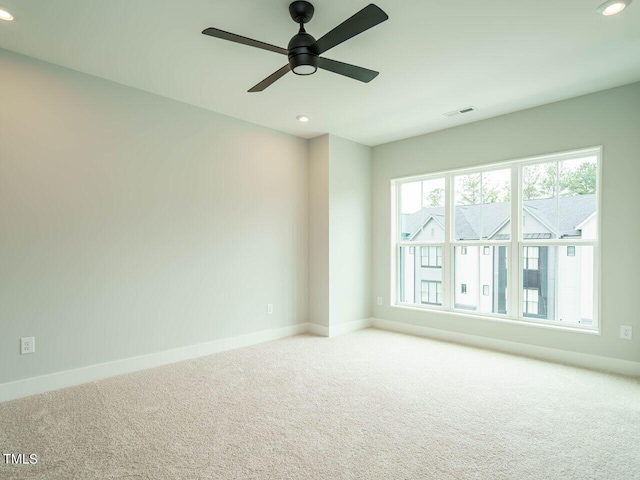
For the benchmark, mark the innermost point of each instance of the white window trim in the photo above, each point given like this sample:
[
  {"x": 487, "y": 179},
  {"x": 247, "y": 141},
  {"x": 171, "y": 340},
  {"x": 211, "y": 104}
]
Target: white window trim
[{"x": 515, "y": 244}]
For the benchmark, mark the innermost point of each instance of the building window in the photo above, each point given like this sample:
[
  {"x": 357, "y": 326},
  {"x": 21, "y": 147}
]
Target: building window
[
  {"x": 531, "y": 301},
  {"x": 431, "y": 293},
  {"x": 431, "y": 257},
  {"x": 531, "y": 258},
  {"x": 462, "y": 223}
]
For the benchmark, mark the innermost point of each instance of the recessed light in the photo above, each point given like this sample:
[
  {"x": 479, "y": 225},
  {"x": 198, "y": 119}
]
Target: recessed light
[
  {"x": 612, "y": 7},
  {"x": 4, "y": 15},
  {"x": 303, "y": 118}
]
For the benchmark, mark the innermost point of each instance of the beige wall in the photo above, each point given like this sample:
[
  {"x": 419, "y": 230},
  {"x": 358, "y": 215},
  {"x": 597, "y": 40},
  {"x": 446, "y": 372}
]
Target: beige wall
[
  {"x": 132, "y": 224},
  {"x": 610, "y": 118}
]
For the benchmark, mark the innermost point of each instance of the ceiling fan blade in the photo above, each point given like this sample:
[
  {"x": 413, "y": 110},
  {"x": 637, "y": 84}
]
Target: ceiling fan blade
[
  {"x": 271, "y": 78},
  {"x": 368, "y": 17},
  {"x": 348, "y": 70},
  {"x": 232, "y": 37}
]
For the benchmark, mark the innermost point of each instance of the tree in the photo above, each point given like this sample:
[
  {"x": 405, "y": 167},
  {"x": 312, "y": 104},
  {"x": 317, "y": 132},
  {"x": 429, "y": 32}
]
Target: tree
[
  {"x": 550, "y": 179},
  {"x": 473, "y": 189},
  {"x": 530, "y": 182},
  {"x": 581, "y": 181},
  {"x": 470, "y": 192},
  {"x": 436, "y": 197},
  {"x": 506, "y": 193},
  {"x": 490, "y": 195}
]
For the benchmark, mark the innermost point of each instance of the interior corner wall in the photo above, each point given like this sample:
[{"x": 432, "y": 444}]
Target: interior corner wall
[
  {"x": 339, "y": 232},
  {"x": 349, "y": 231},
  {"x": 132, "y": 224},
  {"x": 609, "y": 118},
  {"x": 319, "y": 231}
]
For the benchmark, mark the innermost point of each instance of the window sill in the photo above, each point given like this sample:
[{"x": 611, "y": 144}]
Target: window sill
[{"x": 508, "y": 320}]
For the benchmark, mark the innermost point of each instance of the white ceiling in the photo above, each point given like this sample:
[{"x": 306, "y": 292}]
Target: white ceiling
[{"x": 433, "y": 57}]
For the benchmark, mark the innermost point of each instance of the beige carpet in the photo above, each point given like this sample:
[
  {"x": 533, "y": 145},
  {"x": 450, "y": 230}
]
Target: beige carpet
[{"x": 369, "y": 405}]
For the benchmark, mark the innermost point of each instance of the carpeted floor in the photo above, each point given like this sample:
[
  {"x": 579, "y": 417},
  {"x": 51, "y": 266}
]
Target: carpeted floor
[{"x": 369, "y": 405}]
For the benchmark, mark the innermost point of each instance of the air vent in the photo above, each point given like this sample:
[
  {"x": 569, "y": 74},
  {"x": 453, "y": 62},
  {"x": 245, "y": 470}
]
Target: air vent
[{"x": 458, "y": 112}]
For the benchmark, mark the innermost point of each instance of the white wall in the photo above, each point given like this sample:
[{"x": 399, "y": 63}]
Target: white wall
[
  {"x": 132, "y": 224},
  {"x": 610, "y": 118}
]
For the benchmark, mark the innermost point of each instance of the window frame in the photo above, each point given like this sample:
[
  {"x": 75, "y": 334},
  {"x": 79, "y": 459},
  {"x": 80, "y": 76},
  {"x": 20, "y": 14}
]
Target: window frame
[{"x": 515, "y": 244}]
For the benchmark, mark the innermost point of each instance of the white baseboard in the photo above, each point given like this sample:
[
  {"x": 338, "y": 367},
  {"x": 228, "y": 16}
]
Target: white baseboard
[
  {"x": 348, "y": 327},
  {"x": 341, "y": 329},
  {"x": 319, "y": 330},
  {"x": 69, "y": 378},
  {"x": 595, "y": 362}
]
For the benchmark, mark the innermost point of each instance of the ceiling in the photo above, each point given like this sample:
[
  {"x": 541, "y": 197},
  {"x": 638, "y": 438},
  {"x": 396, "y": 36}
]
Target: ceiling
[{"x": 433, "y": 57}]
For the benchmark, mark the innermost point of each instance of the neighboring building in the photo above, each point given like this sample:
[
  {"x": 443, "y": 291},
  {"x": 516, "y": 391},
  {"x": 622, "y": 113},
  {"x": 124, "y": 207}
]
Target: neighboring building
[{"x": 550, "y": 273}]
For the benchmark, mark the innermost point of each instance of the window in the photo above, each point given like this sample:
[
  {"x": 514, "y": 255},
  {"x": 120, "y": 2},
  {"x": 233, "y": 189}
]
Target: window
[
  {"x": 530, "y": 301},
  {"x": 474, "y": 271},
  {"x": 531, "y": 258},
  {"x": 431, "y": 292},
  {"x": 559, "y": 197},
  {"x": 422, "y": 231},
  {"x": 541, "y": 268},
  {"x": 431, "y": 256}
]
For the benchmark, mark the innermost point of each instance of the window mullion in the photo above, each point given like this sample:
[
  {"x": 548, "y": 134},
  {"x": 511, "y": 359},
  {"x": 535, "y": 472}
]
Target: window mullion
[
  {"x": 447, "y": 254},
  {"x": 514, "y": 278}
]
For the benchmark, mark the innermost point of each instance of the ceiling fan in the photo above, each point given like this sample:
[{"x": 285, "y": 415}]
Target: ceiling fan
[{"x": 304, "y": 51}]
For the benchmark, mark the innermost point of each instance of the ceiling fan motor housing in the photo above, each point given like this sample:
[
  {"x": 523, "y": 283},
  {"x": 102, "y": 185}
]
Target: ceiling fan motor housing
[{"x": 303, "y": 59}]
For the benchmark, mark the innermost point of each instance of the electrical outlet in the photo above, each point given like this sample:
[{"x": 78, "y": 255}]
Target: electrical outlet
[
  {"x": 27, "y": 345},
  {"x": 379, "y": 300},
  {"x": 270, "y": 309},
  {"x": 626, "y": 332}
]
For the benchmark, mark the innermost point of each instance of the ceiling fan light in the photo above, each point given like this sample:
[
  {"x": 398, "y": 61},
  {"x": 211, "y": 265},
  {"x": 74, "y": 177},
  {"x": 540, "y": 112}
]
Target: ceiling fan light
[
  {"x": 612, "y": 7},
  {"x": 303, "y": 63},
  {"x": 304, "y": 69}
]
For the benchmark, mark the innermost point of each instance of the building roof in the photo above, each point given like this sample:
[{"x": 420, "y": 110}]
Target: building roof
[
  {"x": 571, "y": 211},
  {"x": 563, "y": 214}
]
